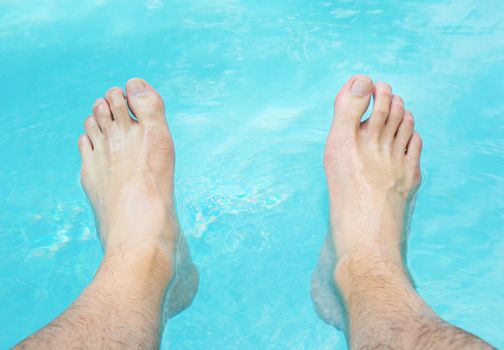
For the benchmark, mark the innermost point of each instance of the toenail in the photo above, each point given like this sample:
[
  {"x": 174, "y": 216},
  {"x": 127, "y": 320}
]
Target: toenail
[
  {"x": 136, "y": 87},
  {"x": 98, "y": 103},
  {"x": 383, "y": 86},
  {"x": 89, "y": 121},
  {"x": 397, "y": 99},
  {"x": 362, "y": 87}
]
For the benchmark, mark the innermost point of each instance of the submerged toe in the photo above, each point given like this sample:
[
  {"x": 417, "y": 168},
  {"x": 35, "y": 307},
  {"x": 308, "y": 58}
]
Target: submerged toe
[
  {"x": 102, "y": 113},
  {"x": 85, "y": 146},
  {"x": 404, "y": 133},
  {"x": 382, "y": 96},
  {"x": 394, "y": 119},
  {"x": 93, "y": 131},
  {"x": 118, "y": 107},
  {"x": 145, "y": 102}
]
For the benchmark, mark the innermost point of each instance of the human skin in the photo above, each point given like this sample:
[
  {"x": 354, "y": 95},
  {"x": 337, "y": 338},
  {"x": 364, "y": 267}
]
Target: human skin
[
  {"x": 127, "y": 174},
  {"x": 373, "y": 172}
]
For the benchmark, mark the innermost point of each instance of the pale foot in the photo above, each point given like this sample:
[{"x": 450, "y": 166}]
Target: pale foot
[
  {"x": 127, "y": 174},
  {"x": 372, "y": 171}
]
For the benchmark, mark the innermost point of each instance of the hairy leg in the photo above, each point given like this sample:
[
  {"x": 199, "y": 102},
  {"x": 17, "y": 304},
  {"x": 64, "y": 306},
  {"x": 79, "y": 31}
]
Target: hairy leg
[
  {"x": 120, "y": 309},
  {"x": 127, "y": 174},
  {"x": 385, "y": 312},
  {"x": 373, "y": 172}
]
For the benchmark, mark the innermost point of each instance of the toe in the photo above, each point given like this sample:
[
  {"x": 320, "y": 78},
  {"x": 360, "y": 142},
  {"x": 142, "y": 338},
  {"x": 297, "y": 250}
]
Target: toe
[
  {"x": 93, "y": 131},
  {"x": 404, "y": 133},
  {"x": 118, "y": 107},
  {"x": 414, "y": 147},
  {"x": 413, "y": 156},
  {"x": 352, "y": 102},
  {"x": 394, "y": 119},
  {"x": 102, "y": 113},
  {"x": 145, "y": 103},
  {"x": 381, "y": 108},
  {"x": 85, "y": 146}
]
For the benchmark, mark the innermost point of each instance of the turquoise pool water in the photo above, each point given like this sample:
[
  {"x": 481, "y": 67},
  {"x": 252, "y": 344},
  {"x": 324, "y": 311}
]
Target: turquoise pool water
[{"x": 249, "y": 88}]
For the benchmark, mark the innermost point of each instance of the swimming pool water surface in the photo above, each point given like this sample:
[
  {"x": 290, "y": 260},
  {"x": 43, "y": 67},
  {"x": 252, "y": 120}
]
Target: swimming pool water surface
[{"x": 249, "y": 88}]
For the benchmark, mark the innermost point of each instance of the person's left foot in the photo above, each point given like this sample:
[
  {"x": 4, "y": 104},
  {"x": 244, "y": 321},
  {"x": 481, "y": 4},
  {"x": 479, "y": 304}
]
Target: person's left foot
[{"x": 127, "y": 174}]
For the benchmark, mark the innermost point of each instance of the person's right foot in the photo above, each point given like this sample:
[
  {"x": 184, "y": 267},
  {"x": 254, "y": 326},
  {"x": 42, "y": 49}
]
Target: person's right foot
[{"x": 372, "y": 171}]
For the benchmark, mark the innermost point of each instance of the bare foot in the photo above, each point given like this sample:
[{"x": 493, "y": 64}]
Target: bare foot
[
  {"x": 127, "y": 174},
  {"x": 373, "y": 172}
]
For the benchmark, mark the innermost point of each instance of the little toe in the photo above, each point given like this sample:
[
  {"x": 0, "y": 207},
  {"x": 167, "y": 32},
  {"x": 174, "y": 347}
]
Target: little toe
[
  {"x": 102, "y": 114},
  {"x": 381, "y": 108},
  {"x": 404, "y": 133},
  {"x": 145, "y": 103},
  {"x": 93, "y": 132},
  {"x": 119, "y": 107},
  {"x": 394, "y": 119},
  {"x": 85, "y": 146},
  {"x": 413, "y": 156}
]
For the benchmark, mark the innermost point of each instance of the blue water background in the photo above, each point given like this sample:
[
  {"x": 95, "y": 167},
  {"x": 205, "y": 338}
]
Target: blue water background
[{"x": 249, "y": 88}]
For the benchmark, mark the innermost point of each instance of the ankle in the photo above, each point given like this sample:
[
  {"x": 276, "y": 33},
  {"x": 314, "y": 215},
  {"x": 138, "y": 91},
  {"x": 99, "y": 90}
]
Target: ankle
[
  {"x": 368, "y": 269},
  {"x": 147, "y": 263}
]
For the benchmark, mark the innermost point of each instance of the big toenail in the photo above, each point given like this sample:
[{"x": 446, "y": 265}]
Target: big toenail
[
  {"x": 136, "y": 87},
  {"x": 361, "y": 87}
]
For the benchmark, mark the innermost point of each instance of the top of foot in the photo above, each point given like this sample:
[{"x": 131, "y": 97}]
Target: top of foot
[
  {"x": 127, "y": 168},
  {"x": 373, "y": 170},
  {"x": 372, "y": 167},
  {"x": 127, "y": 174}
]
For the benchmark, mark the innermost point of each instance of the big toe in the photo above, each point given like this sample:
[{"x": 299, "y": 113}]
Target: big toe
[
  {"x": 352, "y": 101},
  {"x": 145, "y": 103}
]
